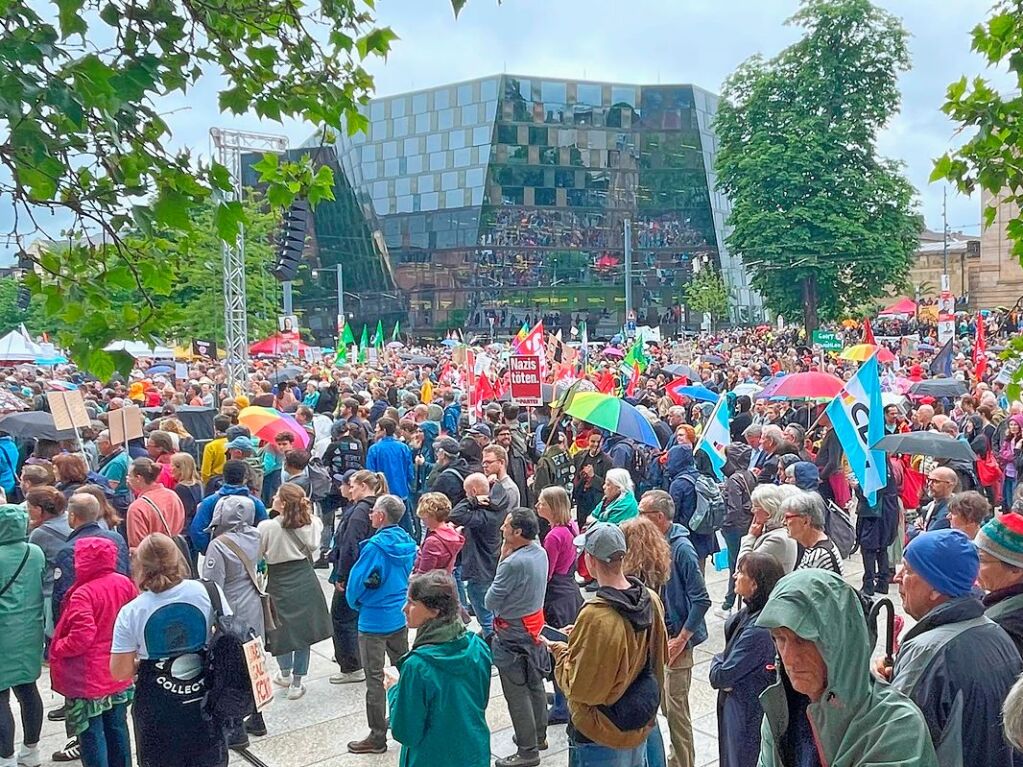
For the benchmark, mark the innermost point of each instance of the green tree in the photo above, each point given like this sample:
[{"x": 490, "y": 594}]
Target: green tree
[
  {"x": 80, "y": 98},
  {"x": 706, "y": 293},
  {"x": 10, "y": 315},
  {"x": 820, "y": 220}
]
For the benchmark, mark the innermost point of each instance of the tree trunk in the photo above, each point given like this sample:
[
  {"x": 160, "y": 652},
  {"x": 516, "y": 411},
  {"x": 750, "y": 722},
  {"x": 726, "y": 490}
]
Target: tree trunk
[{"x": 810, "y": 305}]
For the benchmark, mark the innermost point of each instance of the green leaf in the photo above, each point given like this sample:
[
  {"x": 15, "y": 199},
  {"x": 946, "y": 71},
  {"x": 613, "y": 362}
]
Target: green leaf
[
  {"x": 458, "y": 5},
  {"x": 228, "y": 218},
  {"x": 171, "y": 209},
  {"x": 121, "y": 277},
  {"x": 69, "y": 15},
  {"x": 234, "y": 100},
  {"x": 942, "y": 168}
]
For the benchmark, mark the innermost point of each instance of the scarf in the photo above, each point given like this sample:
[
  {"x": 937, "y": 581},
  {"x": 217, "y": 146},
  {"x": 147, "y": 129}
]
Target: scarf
[{"x": 438, "y": 631}]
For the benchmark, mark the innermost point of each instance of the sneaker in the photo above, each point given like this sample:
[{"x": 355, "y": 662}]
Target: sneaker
[
  {"x": 321, "y": 564},
  {"x": 69, "y": 753},
  {"x": 368, "y": 746},
  {"x": 57, "y": 714},
  {"x": 724, "y": 612},
  {"x": 527, "y": 759},
  {"x": 348, "y": 677},
  {"x": 282, "y": 680},
  {"x": 28, "y": 756},
  {"x": 294, "y": 693}
]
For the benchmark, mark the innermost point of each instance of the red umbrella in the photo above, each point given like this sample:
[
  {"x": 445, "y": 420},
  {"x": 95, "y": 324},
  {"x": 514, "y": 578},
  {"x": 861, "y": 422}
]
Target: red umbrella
[{"x": 804, "y": 386}]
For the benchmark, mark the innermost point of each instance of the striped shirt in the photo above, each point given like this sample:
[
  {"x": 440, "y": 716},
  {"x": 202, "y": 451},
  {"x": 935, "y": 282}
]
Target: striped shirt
[{"x": 822, "y": 555}]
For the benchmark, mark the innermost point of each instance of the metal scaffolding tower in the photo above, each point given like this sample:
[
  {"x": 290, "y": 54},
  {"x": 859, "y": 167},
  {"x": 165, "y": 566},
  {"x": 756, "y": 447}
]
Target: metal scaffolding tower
[{"x": 229, "y": 146}]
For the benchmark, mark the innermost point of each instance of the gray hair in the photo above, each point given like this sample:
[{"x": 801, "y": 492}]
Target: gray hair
[
  {"x": 103, "y": 436},
  {"x": 809, "y": 505},
  {"x": 773, "y": 433},
  {"x": 771, "y": 497},
  {"x": 392, "y": 506},
  {"x": 753, "y": 430},
  {"x": 1012, "y": 716},
  {"x": 85, "y": 507},
  {"x": 621, "y": 478},
  {"x": 661, "y": 502}
]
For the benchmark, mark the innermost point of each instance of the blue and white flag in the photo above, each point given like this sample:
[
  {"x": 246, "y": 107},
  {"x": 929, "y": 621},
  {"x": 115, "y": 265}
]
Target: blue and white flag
[
  {"x": 716, "y": 436},
  {"x": 858, "y": 419}
]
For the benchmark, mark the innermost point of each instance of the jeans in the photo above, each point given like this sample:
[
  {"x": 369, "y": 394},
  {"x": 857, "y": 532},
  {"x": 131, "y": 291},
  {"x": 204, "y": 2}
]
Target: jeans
[
  {"x": 346, "y": 633},
  {"x": 733, "y": 537},
  {"x": 1008, "y": 488},
  {"x": 463, "y": 597},
  {"x": 411, "y": 523},
  {"x": 31, "y": 706},
  {"x": 595, "y": 755},
  {"x": 105, "y": 743},
  {"x": 477, "y": 591},
  {"x": 677, "y": 681},
  {"x": 295, "y": 663},
  {"x": 655, "y": 748},
  {"x": 372, "y": 648},
  {"x": 326, "y": 511}
]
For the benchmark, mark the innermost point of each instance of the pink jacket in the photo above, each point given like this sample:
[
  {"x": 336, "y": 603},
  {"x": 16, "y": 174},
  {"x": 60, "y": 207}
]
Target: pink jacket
[
  {"x": 439, "y": 551},
  {"x": 80, "y": 651}
]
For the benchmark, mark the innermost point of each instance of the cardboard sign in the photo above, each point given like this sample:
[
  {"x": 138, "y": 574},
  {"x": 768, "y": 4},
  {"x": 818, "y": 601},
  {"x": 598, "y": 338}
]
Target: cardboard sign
[
  {"x": 259, "y": 676},
  {"x": 125, "y": 424},
  {"x": 526, "y": 380},
  {"x": 181, "y": 370},
  {"x": 68, "y": 409},
  {"x": 203, "y": 348}
]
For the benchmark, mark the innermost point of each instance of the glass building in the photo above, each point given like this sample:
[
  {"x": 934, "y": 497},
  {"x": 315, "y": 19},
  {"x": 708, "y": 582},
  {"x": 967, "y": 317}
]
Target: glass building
[{"x": 508, "y": 198}]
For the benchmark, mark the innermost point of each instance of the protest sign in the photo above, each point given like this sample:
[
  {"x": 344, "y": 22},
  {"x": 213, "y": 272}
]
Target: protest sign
[{"x": 526, "y": 381}]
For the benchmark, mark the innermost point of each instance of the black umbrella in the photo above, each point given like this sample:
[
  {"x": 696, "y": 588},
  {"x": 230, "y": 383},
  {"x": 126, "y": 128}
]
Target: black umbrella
[
  {"x": 712, "y": 359},
  {"x": 932, "y": 443},
  {"x": 34, "y": 424},
  {"x": 939, "y": 387},
  {"x": 285, "y": 374},
  {"x": 422, "y": 361},
  {"x": 682, "y": 370}
]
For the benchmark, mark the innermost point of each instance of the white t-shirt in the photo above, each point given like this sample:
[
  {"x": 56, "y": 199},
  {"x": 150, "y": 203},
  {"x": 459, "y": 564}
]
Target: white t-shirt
[{"x": 165, "y": 625}]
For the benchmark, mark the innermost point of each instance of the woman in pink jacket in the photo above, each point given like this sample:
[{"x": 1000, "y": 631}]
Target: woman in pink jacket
[
  {"x": 443, "y": 542},
  {"x": 97, "y": 704}
]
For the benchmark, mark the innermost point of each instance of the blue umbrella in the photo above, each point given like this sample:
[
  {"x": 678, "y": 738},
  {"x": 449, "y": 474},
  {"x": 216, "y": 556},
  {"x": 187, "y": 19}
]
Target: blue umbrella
[
  {"x": 451, "y": 342},
  {"x": 700, "y": 393},
  {"x": 159, "y": 369}
]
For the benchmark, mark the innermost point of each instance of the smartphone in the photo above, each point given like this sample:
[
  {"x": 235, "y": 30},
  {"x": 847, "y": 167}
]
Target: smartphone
[{"x": 552, "y": 634}]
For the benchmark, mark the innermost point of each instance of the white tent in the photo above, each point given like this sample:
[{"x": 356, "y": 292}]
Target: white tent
[
  {"x": 17, "y": 346},
  {"x": 138, "y": 349}
]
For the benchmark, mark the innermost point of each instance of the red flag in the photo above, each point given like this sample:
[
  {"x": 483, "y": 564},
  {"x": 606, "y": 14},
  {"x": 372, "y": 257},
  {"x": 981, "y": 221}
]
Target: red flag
[
  {"x": 671, "y": 389},
  {"x": 633, "y": 380},
  {"x": 980, "y": 350},
  {"x": 605, "y": 382},
  {"x": 868, "y": 333},
  {"x": 533, "y": 342}
]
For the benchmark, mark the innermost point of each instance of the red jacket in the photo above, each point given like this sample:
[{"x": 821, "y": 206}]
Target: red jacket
[
  {"x": 440, "y": 549},
  {"x": 80, "y": 651}
]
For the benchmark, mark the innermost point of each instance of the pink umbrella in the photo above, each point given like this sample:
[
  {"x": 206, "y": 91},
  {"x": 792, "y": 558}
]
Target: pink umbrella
[
  {"x": 613, "y": 351},
  {"x": 803, "y": 386}
]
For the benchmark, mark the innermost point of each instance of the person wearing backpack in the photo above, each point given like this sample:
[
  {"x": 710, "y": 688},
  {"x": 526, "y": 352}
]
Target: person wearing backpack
[
  {"x": 161, "y": 639},
  {"x": 96, "y": 703},
  {"x": 393, "y": 459},
  {"x": 876, "y": 527},
  {"x": 699, "y": 504},
  {"x": 234, "y": 484}
]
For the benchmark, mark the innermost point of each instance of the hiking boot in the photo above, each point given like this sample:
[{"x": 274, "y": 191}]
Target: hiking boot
[
  {"x": 368, "y": 745},
  {"x": 348, "y": 677},
  {"x": 70, "y": 752},
  {"x": 521, "y": 759}
]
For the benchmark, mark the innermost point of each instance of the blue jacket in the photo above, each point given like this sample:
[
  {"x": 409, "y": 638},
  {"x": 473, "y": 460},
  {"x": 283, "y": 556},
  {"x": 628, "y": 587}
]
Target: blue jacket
[
  {"x": 686, "y": 600},
  {"x": 682, "y": 491},
  {"x": 8, "y": 464},
  {"x": 64, "y": 565},
  {"x": 394, "y": 459},
  {"x": 452, "y": 415},
  {"x": 379, "y": 581},
  {"x": 204, "y": 514}
]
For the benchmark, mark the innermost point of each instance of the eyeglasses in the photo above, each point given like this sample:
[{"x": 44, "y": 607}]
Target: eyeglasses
[
  {"x": 937, "y": 481},
  {"x": 792, "y": 516}
]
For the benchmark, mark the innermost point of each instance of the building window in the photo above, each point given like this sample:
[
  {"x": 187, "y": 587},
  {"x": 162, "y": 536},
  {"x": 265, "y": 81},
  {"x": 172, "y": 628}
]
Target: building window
[
  {"x": 588, "y": 94},
  {"x": 512, "y": 195},
  {"x": 448, "y": 181},
  {"x": 401, "y": 127},
  {"x": 544, "y": 196},
  {"x": 481, "y": 135},
  {"x": 429, "y": 201},
  {"x": 414, "y": 163},
  {"x": 474, "y": 177},
  {"x": 623, "y": 95},
  {"x": 538, "y": 137},
  {"x": 470, "y": 115},
  {"x": 507, "y": 134},
  {"x": 438, "y": 161},
  {"x": 462, "y": 158},
  {"x": 420, "y": 103},
  {"x": 456, "y": 139},
  {"x": 454, "y": 199},
  {"x": 434, "y": 142},
  {"x": 442, "y": 98},
  {"x": 426, "y": 183},
  {"x": 398, "y": 107},
  {"x": 553, "y": 93},
  {"x": 488, "y": 90},
  {"x": 465, "y": 94},
  {"x": 376, "y": 111},
  {"x": 446, "y": 119},
  {"x": 423, "y": 123}
]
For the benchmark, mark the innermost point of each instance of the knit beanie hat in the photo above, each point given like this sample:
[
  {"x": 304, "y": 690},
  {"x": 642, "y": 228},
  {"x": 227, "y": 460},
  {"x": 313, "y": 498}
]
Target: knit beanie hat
[
  {"x": 946, "y": 559},
  {"x": 1002, "y": 538}
]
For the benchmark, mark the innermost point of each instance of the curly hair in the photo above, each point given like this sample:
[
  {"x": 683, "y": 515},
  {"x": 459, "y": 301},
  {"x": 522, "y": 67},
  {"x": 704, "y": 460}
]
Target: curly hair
[
  {"x": 647, "y": 554},
  {"x": 436, "y": 506}
]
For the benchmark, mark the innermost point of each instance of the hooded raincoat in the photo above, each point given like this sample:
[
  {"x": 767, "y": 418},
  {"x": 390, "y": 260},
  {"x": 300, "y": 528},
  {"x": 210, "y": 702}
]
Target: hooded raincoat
[
  {"x": 232, "y": 531},
  {"x": 379, "y": 580},
  {"x": 858, "y": 721},
  {"x": 21, "y": 605}
]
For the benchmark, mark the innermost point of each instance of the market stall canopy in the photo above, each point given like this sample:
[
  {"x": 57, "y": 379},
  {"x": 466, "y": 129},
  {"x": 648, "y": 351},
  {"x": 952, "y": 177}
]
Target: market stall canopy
[
  {"x": 17, "y": 346},
  {"x": 137, "y": 349},
  {"x": 902, "y": 306}
]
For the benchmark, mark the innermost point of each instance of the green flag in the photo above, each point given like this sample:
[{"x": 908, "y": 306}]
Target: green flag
[
  {"x": 363, "y": 344},
  {"x": 396, "y": 333},
  {"x": 636, "y": 356},
  {"x": 347, "y": 339},
  {"x": 378, "y": 338}
]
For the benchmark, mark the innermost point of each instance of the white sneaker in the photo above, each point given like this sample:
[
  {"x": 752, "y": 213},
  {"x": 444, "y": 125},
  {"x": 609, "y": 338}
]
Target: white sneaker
[
  {"x": 724, "y": 614},
  {"x": 348, "y": 677},
  {"x": 282, "y": 680},
  {"x": 294, "y": 693},
  {"x": 28, "y": 756}
]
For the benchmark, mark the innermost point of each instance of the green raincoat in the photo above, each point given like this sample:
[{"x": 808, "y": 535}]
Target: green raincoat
[
  {"x": 858, "y": 721},
  {"x": 21, "y": 606},
  {"x": 439, "y": 705}
]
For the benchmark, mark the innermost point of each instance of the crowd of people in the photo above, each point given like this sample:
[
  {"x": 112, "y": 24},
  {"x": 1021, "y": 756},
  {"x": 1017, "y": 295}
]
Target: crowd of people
[{"x": 432, "y": 538}]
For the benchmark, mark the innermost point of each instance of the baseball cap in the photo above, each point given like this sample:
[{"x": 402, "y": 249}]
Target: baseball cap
[
  {"x": 602, "y": 541},
  {"x": 346, "y": 477},
  {"x": 446, "y": 444},
  {"x": 240, "y": 443},
  {"x": 481, "y": 429}
]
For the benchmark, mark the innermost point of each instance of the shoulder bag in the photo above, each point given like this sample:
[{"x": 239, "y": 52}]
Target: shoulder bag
[
  {"x": 270, "y": 618},
  {"x": 298, "y": 542},
  {"x": 638, "y": 705},
  {"x": 179, "y": 540},
  {"x": 17, "y": 572}
]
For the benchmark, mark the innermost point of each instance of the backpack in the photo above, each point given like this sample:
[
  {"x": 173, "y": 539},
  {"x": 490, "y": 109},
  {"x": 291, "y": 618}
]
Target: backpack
[
  {"x": 710, "y": 505},
  {"x": 839, "y": 528},
  {"x": 228, "y": 687},
  {"x": 639, "y": 466},
  {"x": 320, "y": 482}
]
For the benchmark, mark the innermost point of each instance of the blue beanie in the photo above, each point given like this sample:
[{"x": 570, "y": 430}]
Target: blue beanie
[{"x": 946, "y": 559}]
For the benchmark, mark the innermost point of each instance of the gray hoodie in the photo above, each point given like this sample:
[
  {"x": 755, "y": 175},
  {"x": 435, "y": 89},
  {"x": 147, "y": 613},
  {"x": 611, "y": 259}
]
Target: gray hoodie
[{"x": 232, "y": 524}]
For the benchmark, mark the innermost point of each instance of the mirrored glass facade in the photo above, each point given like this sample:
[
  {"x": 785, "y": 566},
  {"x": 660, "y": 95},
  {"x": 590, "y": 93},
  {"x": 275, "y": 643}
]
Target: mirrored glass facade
[{"x": 508, "y": 198}]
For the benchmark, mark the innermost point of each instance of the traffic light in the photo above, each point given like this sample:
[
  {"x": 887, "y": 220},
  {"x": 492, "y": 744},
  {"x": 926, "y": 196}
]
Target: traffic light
[{"x": 292, "y": 241}]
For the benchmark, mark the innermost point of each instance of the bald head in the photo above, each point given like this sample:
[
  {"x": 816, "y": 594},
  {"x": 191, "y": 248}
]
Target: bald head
[
  {"x": 476, "y": 485},
  {"x": 942, "y": 482}
]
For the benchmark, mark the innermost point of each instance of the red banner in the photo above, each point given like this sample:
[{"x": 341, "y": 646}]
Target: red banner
[{"x": 526, "y": 379}]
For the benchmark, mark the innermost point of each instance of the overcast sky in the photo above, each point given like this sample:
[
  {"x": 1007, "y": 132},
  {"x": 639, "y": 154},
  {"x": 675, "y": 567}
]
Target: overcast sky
[{"x": 647, "y": 41}]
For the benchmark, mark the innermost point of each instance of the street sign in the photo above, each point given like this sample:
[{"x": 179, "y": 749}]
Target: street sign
[
  {"x": 526, "y": 381},
  {"x": 828, "y": 341}
]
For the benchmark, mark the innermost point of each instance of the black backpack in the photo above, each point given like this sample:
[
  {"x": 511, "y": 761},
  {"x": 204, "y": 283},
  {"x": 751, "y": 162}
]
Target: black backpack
[{"x": 228, "y": 687}]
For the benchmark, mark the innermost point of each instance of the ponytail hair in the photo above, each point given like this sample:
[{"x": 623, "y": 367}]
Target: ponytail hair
[{"x": 375, "y": 481}]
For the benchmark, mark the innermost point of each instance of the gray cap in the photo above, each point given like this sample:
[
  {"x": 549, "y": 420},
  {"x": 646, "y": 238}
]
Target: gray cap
[
  {"x": 446, "y": 444},
  {"x": 482, "y": 430},
  {"x": 603, "y": 541}
]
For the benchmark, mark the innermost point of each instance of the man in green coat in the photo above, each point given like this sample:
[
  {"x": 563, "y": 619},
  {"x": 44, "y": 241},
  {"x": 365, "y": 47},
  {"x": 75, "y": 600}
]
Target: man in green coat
[{"x": 825, "y": 691}]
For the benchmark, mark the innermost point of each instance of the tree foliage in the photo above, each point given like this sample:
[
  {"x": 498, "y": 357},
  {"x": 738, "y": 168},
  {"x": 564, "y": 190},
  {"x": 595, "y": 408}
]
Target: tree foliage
[
  {"x": 820, "y": 220},
  {"x": 81, "y": 93},
  {"x": 706, "y": 293}
]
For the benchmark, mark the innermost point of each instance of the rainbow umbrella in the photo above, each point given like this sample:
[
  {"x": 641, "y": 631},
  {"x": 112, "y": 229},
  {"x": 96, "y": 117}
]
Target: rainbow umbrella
[
  {"x": 266, "y": 423},
  {"x": 863, "y": 352},
  {"x": 614, "y": 415}
]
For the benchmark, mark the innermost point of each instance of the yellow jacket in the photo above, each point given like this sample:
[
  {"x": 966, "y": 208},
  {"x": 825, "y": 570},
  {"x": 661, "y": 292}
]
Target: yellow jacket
[{"x": 214, "y": 456}]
